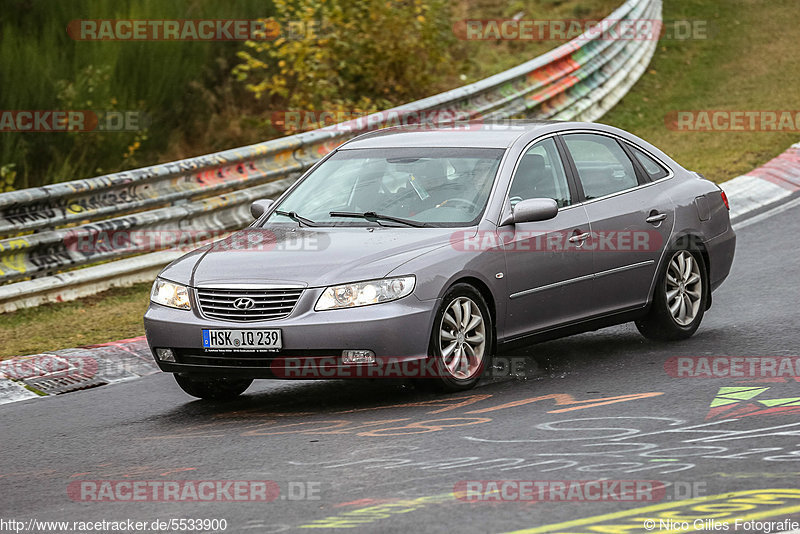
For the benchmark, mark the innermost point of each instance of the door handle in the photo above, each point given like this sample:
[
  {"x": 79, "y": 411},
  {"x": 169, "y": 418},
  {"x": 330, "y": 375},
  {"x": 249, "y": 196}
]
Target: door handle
[
  {"x": 656, "y": 218},
  {"x": 580, "y": 238}
]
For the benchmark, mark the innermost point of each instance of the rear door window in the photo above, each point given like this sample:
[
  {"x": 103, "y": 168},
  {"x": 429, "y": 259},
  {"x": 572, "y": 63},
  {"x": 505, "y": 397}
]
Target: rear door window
[{"x": 602, "y": 165}]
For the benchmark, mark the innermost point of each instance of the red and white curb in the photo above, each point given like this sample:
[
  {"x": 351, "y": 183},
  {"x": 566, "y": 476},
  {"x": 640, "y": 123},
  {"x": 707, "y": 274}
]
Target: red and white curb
[
  {"x": 774, "y": 181},
  {"x": 62, "y": 371}
]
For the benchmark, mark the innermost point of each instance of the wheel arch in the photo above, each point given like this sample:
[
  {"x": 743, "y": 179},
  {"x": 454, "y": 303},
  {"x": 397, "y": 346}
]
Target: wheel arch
[
  {"x": 692, "y": 241},
  {"x": 485, "y": 292}
]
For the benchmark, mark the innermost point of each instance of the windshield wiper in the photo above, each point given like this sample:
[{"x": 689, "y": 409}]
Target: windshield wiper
[
  {"x": 297, "y": 218},
  {"x": 372, "y": 216}
]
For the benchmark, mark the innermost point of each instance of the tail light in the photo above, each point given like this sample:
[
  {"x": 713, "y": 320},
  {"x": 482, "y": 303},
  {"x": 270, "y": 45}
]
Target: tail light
[{"x": 725, "y": 200}]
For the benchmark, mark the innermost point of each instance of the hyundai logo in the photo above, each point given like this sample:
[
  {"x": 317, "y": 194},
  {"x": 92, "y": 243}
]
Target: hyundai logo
[{"x": 244, "y": 304}]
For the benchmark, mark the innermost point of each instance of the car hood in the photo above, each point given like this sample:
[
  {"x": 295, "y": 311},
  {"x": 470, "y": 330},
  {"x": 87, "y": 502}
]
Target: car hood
[{"x": 307, "y": 256}]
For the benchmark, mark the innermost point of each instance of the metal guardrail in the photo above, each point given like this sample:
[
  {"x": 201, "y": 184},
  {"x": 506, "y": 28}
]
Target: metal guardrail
[{"x": 579, "y": 80}]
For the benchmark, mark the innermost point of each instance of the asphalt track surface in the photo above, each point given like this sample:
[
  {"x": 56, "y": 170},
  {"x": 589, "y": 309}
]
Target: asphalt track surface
[{"x": 380, "y": 456}]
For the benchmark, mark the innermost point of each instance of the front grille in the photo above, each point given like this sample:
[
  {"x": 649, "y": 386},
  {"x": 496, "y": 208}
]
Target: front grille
[{"x": 268, "y": 304}]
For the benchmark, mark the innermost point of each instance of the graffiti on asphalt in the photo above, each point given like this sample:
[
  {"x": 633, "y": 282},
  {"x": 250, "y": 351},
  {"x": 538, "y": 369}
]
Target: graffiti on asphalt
[
  {"x": 738, "y": 402},
  {"x": 256, "y": 422}
]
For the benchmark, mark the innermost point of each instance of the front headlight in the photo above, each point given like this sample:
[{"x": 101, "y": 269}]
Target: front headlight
[
  {"x": 168, "y": 294},
  {"x": 365, "y": 293}
]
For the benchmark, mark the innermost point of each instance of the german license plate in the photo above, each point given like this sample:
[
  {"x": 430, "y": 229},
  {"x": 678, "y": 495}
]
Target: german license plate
[{"x": 242, "y": 340}]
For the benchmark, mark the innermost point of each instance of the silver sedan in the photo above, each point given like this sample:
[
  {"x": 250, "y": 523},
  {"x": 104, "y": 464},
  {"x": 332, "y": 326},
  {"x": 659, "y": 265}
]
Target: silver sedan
[{"x": 420, "y": 253}]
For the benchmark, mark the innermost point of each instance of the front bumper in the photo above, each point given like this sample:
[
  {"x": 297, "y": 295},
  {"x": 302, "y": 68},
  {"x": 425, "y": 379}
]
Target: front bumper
[{"x": 398, "y": 330}]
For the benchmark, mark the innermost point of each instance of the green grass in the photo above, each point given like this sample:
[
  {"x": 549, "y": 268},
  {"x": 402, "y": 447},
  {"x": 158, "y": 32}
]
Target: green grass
[
  {"x": 484, "y": 58},
  {"x": 751, "y": 63},
  {"x": 114, "y": 314}
]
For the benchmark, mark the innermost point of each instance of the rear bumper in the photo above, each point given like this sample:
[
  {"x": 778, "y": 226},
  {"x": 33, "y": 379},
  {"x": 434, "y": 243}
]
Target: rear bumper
[
  {"x": 312, "y": 341},
  {"x": 721, "y": 250}
]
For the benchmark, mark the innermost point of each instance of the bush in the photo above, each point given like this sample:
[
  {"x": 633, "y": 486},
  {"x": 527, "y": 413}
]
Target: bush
[{"x": 350, "y": 55}]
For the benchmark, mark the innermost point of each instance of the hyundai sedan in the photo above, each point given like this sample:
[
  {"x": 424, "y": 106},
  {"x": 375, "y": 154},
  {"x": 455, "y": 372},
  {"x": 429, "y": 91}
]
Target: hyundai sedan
[{"x": 422, "y": 252}]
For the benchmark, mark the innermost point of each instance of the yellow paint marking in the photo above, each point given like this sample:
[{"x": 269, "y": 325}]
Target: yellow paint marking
[
  {"x": 732, "y": 509},
  {"x": 371, "y": 514},
  {"x": 15, "y": 261}
]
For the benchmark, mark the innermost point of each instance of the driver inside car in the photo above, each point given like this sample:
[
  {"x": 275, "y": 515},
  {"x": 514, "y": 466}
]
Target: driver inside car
[{"x": 428, "y": 181}]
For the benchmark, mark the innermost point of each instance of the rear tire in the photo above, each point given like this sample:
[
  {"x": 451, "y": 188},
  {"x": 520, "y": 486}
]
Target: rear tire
[
  {"x": 462, "y": 340},
  {"x": 680, "y": 298},
  {"x": 212, "y": 388}
]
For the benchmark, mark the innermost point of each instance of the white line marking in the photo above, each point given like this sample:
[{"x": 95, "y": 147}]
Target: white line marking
[{"x": 767, "y": 214}]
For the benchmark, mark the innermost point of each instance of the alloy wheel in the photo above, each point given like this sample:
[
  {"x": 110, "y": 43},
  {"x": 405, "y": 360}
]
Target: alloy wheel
[
  {"x": 684, "y": 286},
  {"x": 462, "y": 338}
]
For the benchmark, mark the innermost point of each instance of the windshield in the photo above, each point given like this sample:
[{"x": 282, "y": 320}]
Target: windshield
[{"x": 434, "y": 186}]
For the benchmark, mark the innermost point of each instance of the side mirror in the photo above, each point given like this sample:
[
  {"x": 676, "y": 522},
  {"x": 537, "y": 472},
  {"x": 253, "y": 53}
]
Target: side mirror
[
  {"x": 258, "y": 207},
  {"x": 534, "y": 209}
]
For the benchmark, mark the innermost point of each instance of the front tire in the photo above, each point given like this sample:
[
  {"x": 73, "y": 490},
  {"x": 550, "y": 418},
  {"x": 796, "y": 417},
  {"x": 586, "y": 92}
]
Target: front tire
[
  {"x": 680, "y": 298},
  {"x": 462, "y": 341},
  {"x": 212, "y": 388}
]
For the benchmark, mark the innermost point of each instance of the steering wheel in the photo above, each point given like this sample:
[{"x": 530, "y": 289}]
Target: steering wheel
[
  {"x": 470, "y": 204},
  {"x": 515, "y": 200}
]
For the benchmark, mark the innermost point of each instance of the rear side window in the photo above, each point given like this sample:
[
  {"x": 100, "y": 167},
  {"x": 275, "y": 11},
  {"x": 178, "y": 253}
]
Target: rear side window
[
  {"x": 603, "y": 167},
  {"x": 653, "y": 169}
]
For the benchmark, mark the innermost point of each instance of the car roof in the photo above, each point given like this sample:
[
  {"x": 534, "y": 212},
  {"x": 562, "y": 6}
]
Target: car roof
[{"x": 473, "y": 134}]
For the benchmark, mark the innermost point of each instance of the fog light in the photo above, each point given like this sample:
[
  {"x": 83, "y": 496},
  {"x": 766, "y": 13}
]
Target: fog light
[
  {"x": 358, "y": 356},
  {"x": 165, "y": 355}
]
